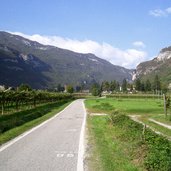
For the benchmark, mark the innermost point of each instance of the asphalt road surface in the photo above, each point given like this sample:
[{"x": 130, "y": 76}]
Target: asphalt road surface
[{"x": 54, "y": 146}]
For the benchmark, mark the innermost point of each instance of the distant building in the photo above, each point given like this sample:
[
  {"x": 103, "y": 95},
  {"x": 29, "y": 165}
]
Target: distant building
[
  {"x": 169, "y": 87},
  {"x": 85, "y": 91},
  {"x": 2, "y": 87}
]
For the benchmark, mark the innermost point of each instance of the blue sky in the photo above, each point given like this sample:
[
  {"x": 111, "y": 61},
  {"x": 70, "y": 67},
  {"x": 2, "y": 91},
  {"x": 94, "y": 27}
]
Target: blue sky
[{"x": 121, "y": 31}]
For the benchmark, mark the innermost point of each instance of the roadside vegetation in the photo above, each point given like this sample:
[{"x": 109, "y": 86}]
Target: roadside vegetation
[
  {"x": 12, "y": 101},
  {"x": 25, "y": 108},
  {"x": 110, "y": 151},
  {"x": 120, "y": 143},
  {"x": 19, "y": 122}
]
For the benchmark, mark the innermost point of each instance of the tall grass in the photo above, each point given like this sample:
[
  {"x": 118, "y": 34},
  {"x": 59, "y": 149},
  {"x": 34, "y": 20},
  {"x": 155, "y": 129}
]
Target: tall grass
[{"x": 115, "y": 152}]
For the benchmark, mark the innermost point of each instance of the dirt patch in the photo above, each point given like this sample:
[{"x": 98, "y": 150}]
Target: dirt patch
[{"x": 98, "y": 114}]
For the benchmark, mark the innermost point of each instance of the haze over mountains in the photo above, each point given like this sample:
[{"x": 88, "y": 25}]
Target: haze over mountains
[{"x": 41, "y": 66}]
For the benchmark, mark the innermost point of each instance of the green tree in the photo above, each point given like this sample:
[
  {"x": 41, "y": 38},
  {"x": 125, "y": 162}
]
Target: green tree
[
  {"x": 138, "y": 84},
  {"x": 105, "y": 86},
  {"x": 69, "y": 89},
  {"x": 24, "y": 87},
  {"x": 147, "y": 85},
  {"x": 142, "y": 86},
  {"x": 113, "y": 85},
  {"x": 157, "y": 83},
  {"x": 117, "y": 86},
  {"x": 78, "y": 88},
  {"x": 96, "y": 90},
  {"x": 60, "y": 88},
  {"x": 124, "y": 85}
]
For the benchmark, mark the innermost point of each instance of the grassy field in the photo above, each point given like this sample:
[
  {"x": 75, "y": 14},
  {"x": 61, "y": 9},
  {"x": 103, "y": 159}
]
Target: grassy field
[
  {"x": 129, "y": 106},
  {"x": 17, "y": 123},
  {"x": 120, "y": 146},
  {"x": 145, "y": 108}
]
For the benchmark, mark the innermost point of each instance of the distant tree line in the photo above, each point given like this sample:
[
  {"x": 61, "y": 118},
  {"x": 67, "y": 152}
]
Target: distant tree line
[
  {"x": 147, "y": 86},
  {"x": 137, "y": 86},
  {"x": 109, "y": 87}
]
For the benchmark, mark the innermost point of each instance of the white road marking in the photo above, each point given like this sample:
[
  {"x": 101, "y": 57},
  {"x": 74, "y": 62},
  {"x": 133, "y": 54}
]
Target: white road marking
[
  {"x": 61, "y": 152},
  {"x": 60, "y": 155},
  {"x": 70, "y": 155},
  {"x": 80, "y": 166},
  {"x": 71, "y": 130}
]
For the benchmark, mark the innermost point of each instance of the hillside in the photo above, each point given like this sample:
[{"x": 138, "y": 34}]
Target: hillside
[
  {"x": 25, "y": 61},
  {"x": 161, "y": 66}
]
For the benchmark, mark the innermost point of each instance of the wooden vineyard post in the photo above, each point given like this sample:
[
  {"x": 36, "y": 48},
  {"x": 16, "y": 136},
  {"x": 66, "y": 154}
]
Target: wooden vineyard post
[
  {"x": 3, "y": 102},
  {"x": 2, "y": 109},
  {"x": 165, "y": 110},
  {"x": 143, "y": 132}
]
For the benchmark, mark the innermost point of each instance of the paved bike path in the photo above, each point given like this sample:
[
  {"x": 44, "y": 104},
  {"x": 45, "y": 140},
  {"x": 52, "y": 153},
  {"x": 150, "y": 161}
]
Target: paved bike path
[{"x": 55, "y": 145}]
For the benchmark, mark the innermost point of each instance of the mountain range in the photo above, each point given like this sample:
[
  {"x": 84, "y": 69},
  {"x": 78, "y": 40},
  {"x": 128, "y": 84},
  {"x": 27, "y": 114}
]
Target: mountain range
[
  {"x": 44, "y": 66},
  {"x": 160, "y": 65}
]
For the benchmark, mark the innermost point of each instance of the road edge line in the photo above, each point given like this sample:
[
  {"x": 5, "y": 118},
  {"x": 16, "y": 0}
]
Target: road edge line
[
  {"x": 13, "y": 141},
  {"x": 80, "y": 165}
]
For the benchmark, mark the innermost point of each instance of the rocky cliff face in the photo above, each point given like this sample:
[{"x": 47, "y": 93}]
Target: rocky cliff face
[
  {"x": 25, "y": 61},
  {"x": 161, "y": 66}
]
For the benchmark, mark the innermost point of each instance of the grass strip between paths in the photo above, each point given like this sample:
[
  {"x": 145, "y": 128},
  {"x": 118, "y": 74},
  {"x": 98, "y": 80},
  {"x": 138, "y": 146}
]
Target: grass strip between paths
[{"x": 114, "y": 149}]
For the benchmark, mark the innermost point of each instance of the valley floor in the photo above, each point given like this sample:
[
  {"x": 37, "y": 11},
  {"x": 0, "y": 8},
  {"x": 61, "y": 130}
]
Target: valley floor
[{"x": 121, "y": 145}]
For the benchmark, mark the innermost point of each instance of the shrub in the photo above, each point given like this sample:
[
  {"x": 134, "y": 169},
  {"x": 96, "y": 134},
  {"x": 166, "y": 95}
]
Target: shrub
[
  {"x": 69, "y": 89},
  {"x": 117, "y": 117},
  {"x": 158, "y": 154}
]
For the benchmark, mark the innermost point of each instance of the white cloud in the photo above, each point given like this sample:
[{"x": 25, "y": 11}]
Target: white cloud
[
  {"x": 160, "y": 13},
  {"x": 128, "y": 58},
  {"x": 168, "y": 10},
  {"x": 139, "y": 44}
]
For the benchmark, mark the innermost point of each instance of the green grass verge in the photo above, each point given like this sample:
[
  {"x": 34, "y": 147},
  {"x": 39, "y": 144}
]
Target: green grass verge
[
  {"x": 48, "y": 110},
  {"x": 112, "y": 149}
]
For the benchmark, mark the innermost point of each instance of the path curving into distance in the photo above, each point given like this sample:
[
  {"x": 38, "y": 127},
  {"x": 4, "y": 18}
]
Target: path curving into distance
[{"x": 55, "y": 145}]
